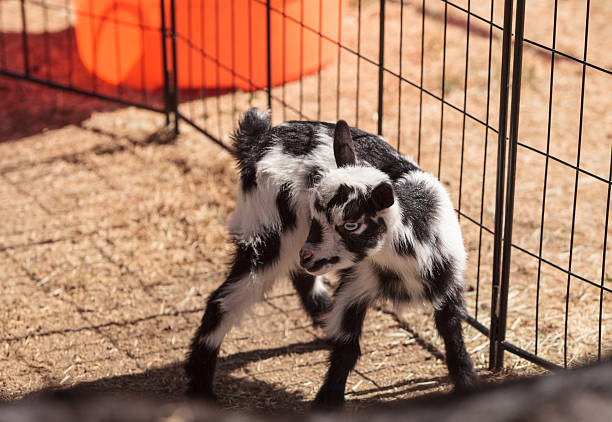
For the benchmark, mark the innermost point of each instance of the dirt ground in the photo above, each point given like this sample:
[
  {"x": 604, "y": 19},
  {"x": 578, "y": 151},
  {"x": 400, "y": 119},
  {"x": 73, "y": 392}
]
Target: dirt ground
[
  {"x": 111, "y": 242},
  {"x": 110, "y": 247}
]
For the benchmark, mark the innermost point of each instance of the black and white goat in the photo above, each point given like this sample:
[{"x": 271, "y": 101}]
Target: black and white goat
[{"x": 319, "y": 198}]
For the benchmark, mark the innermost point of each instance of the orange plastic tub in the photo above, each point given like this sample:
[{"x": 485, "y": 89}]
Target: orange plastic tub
[{"x": 120, "y": 42}]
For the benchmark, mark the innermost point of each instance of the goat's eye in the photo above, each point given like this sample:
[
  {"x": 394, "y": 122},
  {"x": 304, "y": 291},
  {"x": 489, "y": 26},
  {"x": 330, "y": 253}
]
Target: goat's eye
[{"x": 351, "y": 226}]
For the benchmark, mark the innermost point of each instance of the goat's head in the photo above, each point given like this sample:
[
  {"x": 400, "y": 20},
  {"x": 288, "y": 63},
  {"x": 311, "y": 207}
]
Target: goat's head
[{"x": 349, "y": 209}]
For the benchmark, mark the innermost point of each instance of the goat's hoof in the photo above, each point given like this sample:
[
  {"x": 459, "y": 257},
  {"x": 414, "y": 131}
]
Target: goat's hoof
[
  {"x": 468, "y": 386},
  {"x": 325, "y": 402},
  {"x": 204, "y": 394}
]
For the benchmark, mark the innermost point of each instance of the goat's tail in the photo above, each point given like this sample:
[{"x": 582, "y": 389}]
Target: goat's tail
[
  {"x": 254, "y": 123},
  {"x": 248, "y": 136}
]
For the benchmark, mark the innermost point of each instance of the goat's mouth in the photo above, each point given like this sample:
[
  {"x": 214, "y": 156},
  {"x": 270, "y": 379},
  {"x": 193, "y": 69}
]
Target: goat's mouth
[{"x": 320, "y": 266}]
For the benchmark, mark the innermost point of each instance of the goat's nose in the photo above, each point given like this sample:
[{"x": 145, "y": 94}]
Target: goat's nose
[{"x": 305, "y": 256}]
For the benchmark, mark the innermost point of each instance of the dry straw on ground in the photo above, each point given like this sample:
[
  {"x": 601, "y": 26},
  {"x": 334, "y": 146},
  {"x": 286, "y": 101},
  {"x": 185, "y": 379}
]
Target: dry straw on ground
[{"x": 110, "y": 244}]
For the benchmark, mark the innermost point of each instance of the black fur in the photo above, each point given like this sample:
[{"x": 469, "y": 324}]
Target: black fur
[
  {"x": 315, "y": 235},
  {"x": 448, "y": 322},
  {"x": 268, "y": 250},
  {"x": 285, "y": 209},
  {"x": 344, "y": 150},
  {"x": 343, "y": 358},
  {"x": 376, "y": 152},
  {"x": 315, "y": 305},
  {"x": 403, "y": 247},
  {"x": 440, "y": 279},
  {"x": 297, "y": 138},
  {"x": 358, "y": 244},
  {"x": 339, "y": 198},
  {"x": 201, "y": 361},
  {"x": 391, "y": 284},
  {"x": 314, "y": 176},
  {"x": 357, "y": 207},
  {"x": 382, "y": 196},
  {"x": 317, "y": 265},
  {"x": 250, "y": 145},
  {"x": 254, "y": 138},
  {"x": 318, "y": 206},
  {"x": 418, "y": 204}
]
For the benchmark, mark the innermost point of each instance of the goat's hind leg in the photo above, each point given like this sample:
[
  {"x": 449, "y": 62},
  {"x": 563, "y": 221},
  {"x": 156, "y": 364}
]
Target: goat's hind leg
[
  {"x": 315, "y": 299},
  {"x": 246, "y": 283},
  {"x": 448, "y": 322}
]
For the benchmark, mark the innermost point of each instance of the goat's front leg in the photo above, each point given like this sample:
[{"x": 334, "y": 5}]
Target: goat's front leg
[
  {"x": 251, "y": 274},
  {"x": 343, "y": 325},
  {"x": 448, "y": 322},
  {"x": 314, "y": 296}
]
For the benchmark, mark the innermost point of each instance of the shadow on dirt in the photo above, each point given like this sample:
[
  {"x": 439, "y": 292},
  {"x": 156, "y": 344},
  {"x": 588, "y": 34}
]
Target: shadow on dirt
[{"x": 168, "y": 383}]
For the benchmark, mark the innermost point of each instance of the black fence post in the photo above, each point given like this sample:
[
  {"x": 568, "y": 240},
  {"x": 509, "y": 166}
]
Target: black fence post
[
  {"x": 497, "y": 360},
  {"x": 499, "y": 190},
  {"x": 381, "y": 65}
]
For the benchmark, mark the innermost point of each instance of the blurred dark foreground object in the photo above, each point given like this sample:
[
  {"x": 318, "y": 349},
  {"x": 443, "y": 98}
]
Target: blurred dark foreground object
[{"x": 583, "y": 394}]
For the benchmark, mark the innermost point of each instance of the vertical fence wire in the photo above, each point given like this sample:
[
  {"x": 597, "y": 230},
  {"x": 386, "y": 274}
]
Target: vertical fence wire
[
  {"x": 233, "y": 42},
  {"x": 69, "y": 48},
  {"x": 442, "y": 101},
  {"x": 421, "y": 82},
  {"x": 24, "y": 41},
  {"x": 165, "y": 62},
  {"x": 190, "y": 56},
  {"x": 117, "y": 49},
  {"x": 46, "y": 41},
  {"x": 143, "y": 81},
  {"x": 301, "y": 108},
  {"x": 358, "y": 63},
  {"x": 319, "y": 58},
  {"x": 268, "y": 55},
  {"x": 203, "y": 63},
  {"x": 339, "y": 55},
  {"x": 2, "y": 42},
  {"x": 399, "y": 80},
  {"x": 545, "y": 182},
  {"x": 381, "y": 66},
  {"x": 217, "y": 73},
  {"x": 465, "y": 91},
  {"x": 484, "y": 162},
  {"x": 94, "y": 79},
  {"x": 174, "y": 86},
  {"x": 250, "y": 32},
  {"x": 603, "y": 260},
  {"x": 284, "y": 69},
  {"x": 577, "y": 174}
]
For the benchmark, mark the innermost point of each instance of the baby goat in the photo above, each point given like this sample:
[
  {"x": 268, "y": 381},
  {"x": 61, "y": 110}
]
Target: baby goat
[{"x": 311, "y": 202}]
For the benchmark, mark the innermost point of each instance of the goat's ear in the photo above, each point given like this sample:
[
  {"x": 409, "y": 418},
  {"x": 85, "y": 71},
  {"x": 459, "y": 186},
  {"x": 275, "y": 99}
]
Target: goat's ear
[
  {"x": 382, "y": 196},
  {"x": 344, "y": 149}
]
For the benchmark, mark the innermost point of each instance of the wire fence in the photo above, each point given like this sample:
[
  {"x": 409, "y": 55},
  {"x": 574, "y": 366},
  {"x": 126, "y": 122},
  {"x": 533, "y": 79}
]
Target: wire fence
[{"x": 444, "y": 82}]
